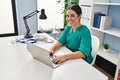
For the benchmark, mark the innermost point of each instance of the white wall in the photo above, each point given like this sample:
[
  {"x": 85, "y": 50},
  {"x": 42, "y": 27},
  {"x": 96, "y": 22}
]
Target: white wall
[
  {"x": 52, "y": 9},
  {"x": 53, "y": 12},
  {"x": 23, "y": 8}
]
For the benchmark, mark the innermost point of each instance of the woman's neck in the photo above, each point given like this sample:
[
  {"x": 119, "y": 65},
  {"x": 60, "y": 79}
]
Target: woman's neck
[{"x": 76, "y": 26}]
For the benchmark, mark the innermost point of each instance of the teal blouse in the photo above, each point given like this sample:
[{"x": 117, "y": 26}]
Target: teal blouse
[{"x": 79, "y": 40}]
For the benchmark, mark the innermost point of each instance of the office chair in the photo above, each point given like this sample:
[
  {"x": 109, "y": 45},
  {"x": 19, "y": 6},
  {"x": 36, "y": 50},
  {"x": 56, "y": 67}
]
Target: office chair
[{"x": 95, "y": 47}]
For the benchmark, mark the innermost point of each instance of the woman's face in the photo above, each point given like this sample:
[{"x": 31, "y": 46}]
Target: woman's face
[{"x": 72, "y": 18}]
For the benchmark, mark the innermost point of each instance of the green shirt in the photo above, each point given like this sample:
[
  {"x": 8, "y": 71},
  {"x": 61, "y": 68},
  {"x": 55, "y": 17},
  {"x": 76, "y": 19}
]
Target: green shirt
[{"x": 79, "y": 40}]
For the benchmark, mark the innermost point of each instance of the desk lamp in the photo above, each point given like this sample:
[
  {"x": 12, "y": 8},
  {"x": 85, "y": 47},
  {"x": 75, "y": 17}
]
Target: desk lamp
[{"x": 42, "y": 16}]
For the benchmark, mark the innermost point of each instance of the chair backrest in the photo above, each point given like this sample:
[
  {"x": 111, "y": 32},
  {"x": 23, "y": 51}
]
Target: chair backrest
[{"x": 95, "y": 46}]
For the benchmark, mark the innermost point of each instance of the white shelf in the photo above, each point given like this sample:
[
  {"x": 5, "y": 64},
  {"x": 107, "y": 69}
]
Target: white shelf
[
  {"x": 111, "y": 55},
  {"x": 112, "y": 31},
  {"x": 112, "y": 4},
  {"x": 96, "y": 29}
]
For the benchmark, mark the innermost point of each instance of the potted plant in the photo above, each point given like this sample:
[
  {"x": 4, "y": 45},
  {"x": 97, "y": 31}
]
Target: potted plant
[{"x": 106, "y": 47}]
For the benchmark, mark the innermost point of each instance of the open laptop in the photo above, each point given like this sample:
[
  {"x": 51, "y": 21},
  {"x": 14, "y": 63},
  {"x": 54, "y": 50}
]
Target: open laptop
[{"x": 41, "y": 54}]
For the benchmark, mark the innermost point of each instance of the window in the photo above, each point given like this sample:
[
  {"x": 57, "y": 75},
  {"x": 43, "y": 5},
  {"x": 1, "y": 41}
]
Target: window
[{"x": 7, "y": 16}]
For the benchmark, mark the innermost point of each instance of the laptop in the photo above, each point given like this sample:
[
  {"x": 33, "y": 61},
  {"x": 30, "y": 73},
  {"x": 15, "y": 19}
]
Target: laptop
[{"x": 42, "y": 55}]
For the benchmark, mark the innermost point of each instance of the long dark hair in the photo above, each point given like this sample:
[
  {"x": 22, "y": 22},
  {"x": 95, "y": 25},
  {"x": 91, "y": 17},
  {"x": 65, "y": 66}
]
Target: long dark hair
[{"x": 76, "y": 8}]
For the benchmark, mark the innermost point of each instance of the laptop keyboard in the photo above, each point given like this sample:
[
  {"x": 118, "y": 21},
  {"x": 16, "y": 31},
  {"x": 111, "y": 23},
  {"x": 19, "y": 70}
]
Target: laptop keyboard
[{"x": 54, "y": 64}]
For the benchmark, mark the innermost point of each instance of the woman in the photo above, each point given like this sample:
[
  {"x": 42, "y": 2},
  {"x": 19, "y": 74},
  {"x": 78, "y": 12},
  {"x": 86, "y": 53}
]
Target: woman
[{"x": 75, "y": 37}]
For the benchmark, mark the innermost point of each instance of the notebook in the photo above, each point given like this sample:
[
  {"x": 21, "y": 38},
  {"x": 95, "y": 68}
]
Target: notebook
[{"x": 42, "y": 55}]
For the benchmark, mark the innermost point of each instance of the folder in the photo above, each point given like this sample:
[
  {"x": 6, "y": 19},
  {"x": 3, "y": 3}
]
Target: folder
[
  {"x": 97, "y": 20},
  {"x": 105, "y": 23}
]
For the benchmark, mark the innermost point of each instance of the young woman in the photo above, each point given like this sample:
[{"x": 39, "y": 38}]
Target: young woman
[{"x": 75, "y": 37}]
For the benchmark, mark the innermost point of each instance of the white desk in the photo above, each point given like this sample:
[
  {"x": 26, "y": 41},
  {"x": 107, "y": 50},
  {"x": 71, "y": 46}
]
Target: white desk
[{"x": 16, "y": 63}]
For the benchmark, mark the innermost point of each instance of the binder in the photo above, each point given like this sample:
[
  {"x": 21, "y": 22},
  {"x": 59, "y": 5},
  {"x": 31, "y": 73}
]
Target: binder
[
  {"x": 97, "y": 20},
  {"x": 86, "y": 14},
  {"x": 105, "y": 23}
]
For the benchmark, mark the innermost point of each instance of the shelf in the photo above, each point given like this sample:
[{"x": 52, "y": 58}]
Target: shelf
[
  {"x": 96, "y": 29},
  {"x": 111, "y": 55},
  {"x": 112, "y": 31},
  {"x": 112, "y": 4}
]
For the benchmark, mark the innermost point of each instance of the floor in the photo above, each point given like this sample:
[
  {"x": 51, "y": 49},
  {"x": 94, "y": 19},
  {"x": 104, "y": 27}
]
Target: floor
[{"x": 109, "y": 76}]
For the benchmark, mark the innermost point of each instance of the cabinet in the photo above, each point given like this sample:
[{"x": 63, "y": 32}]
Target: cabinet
[{"x": 112, "y": 35}]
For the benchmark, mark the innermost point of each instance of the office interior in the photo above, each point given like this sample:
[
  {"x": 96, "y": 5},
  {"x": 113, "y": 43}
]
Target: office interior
[{"x": 12, "y": 23}]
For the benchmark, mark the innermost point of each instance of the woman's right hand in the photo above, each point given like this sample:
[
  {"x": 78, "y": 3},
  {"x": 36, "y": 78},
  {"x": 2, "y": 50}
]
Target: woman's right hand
[
  {"x": 51, "y": 51},
  {"x": 55, "y": 47}
]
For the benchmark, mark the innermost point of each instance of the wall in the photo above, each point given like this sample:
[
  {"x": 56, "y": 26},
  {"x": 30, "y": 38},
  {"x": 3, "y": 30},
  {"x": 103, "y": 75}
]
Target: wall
[
  {"x": 53, "y": 12},
  {"x": 23, "y": 8},
  {"x": 114, "y": 12},
  {"x": 115, "y": 1}
]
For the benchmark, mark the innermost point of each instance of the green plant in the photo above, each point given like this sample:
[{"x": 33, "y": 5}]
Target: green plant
[{"x": 106, "y": 46}]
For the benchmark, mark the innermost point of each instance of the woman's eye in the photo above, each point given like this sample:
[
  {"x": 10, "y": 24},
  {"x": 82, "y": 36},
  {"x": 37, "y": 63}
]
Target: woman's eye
[
  {"x": 72, "y": 15},
  {"x": 67, "y": 15}
]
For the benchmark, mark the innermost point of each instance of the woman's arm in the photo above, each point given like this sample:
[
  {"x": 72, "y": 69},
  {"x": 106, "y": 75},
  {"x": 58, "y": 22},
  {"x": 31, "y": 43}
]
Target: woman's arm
[
  {"x": 55, "y": 47},
  {"x": 74, "y": 55}
]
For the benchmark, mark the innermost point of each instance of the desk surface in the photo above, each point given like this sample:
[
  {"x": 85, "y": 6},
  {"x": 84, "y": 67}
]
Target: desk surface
[{"x": 16, "y": 63}]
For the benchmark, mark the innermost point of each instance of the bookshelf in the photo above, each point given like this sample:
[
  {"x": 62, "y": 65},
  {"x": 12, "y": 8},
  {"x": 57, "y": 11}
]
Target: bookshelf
[{"x": 104, "y": 6}]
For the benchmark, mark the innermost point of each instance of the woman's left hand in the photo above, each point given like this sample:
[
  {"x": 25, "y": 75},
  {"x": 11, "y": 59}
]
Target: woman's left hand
[{"x": 59, "y": 58}]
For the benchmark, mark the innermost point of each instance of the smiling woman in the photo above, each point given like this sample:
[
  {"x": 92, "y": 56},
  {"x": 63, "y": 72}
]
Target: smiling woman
[
  {"x": 75, "y": 37},
  {"x": 7, "y": 26}
]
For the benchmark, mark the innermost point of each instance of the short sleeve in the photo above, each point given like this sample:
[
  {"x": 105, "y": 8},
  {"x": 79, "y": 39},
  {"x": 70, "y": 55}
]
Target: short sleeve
[
  {"x": 85, "y": 45},
  {"x": 62, "y": 37}
]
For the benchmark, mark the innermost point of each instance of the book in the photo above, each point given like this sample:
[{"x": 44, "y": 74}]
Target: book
[
  {"x": 97, "y": 19},
  {"x": 105, "y": 22}
]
